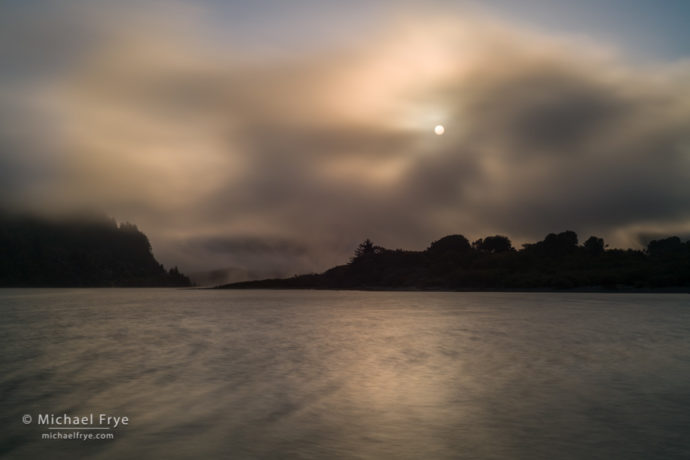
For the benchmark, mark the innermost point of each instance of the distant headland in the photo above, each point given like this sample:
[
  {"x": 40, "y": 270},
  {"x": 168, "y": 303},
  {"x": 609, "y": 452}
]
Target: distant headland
[
  {"x": 80, "y": 251},
  {"x": 558, "y": 262}
]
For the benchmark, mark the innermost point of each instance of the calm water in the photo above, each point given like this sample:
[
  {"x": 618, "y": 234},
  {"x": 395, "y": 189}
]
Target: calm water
[{"x": 362, "y": 375}]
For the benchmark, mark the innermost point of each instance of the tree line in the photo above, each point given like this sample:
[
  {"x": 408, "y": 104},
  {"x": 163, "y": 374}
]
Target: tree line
[{"x": 453, "y": 262}]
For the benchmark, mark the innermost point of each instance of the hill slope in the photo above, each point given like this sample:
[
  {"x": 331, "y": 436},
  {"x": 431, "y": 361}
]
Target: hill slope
[{"x": 93, "y": 251}]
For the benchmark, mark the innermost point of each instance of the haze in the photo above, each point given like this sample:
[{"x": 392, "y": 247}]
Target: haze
[{"x": 270, "y": 139}]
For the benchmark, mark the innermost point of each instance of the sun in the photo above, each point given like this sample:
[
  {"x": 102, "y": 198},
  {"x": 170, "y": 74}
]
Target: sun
[{"x": 439, "y": 130}]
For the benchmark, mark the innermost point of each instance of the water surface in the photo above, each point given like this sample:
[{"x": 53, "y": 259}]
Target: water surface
[{"x": 352, "y": 375}]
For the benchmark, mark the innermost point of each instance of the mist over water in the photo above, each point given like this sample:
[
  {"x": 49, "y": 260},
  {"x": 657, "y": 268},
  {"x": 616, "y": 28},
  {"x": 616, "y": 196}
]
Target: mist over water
[{"x": 362, "y": 375}]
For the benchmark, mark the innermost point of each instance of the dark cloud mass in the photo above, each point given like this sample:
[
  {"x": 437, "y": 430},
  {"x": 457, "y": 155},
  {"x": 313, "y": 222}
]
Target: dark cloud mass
[{"x": 227, "y": 155}]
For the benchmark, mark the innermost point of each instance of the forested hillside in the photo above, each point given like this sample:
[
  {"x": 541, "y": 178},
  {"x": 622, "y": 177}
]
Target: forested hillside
[{"x": 83, "y": 251}]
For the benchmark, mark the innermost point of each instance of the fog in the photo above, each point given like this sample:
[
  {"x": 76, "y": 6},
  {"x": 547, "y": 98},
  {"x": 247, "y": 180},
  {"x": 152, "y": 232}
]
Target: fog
[{"x": 278, "y": 160}]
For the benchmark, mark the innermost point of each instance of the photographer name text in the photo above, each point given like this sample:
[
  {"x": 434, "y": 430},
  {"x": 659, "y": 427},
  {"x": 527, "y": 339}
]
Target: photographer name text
[{"x": 104, "y": 420}]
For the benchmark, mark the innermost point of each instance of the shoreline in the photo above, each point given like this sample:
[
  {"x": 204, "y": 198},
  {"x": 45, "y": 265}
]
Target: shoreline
[{"x": 675, "y": 290}]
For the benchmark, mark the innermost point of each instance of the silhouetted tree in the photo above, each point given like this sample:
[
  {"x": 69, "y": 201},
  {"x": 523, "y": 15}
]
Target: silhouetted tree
[
  {"x": 554, "y": 245},
  {"x": 565, "y": 240},
  {"x": 493, "y": 244},
  {"x": 449, "y": 244},
  {"x": 365, "y": 250},
  {"x": 667, "y": 247},
  {"x": 594, "y": 246}
]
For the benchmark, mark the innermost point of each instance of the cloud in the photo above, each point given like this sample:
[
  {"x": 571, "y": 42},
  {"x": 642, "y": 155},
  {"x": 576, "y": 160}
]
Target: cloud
[{"x": 230, "y": 156}]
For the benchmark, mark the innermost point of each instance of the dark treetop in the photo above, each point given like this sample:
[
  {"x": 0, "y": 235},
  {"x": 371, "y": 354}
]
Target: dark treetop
[
  {"x": 80, "y": 251},
  {"x": 557, "y": 262}
]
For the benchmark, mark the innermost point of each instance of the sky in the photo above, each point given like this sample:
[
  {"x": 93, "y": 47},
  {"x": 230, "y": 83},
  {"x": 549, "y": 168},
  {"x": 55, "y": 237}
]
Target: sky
[{"x": 269, "y": 138}]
